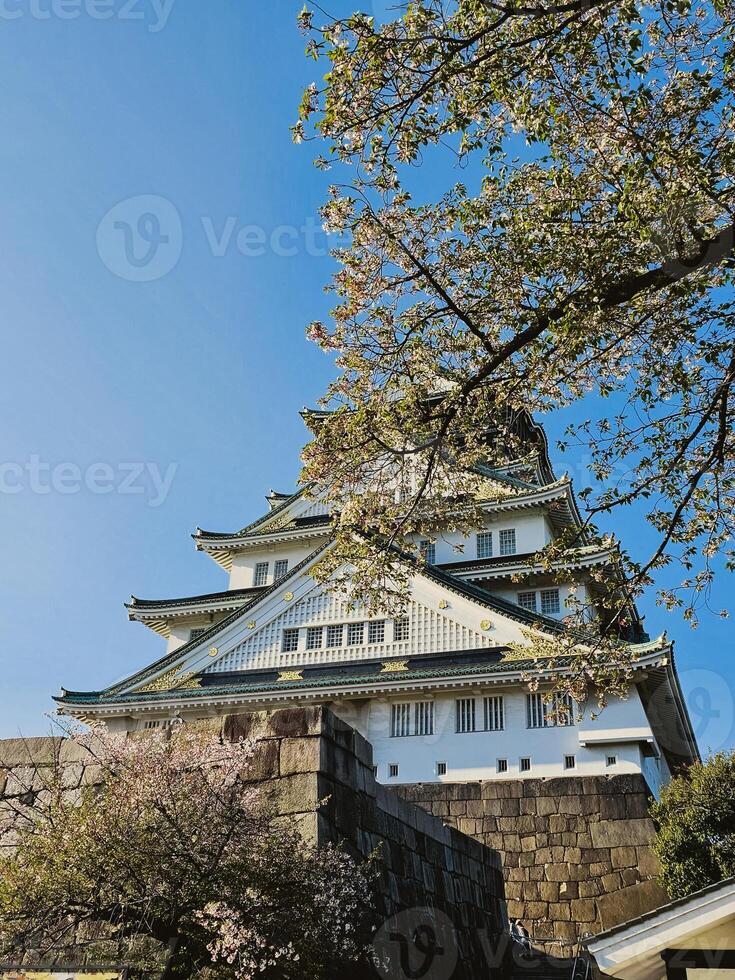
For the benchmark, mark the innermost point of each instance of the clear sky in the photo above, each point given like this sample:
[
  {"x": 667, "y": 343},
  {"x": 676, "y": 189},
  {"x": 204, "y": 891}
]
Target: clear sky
[{"x": 140, "y": 398}]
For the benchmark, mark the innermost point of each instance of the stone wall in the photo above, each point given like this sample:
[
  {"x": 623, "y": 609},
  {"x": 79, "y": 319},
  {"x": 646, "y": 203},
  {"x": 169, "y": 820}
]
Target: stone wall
[
  {"x": 308, "y": 754},
  {"x": 305, "y": 756},
  {"x": 575, "y": 851}
]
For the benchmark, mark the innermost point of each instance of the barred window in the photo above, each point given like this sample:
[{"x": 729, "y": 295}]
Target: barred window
[
  {"x": 424, "y": 718},
  {"x": 485, "y": 544},
  {"x": 525, "y": 764},
  {"x": 550, "y": 602},
  {"x": 569, "y": 762},
  {"x": 334, "y": 635},
  {"x": 508, "y": 541},
  {"x": 355, "y": 634},
  {"x": 535, "y": 711},
  {"x": 501, "y": 765},
  {"x": 563, "y": 709},
  {"x": 494, "y": 713},
  {"x": 428, "y": 552},
  {"x": 314, "y": 637},
  {"x": 290, "y": 641},
  {"x": 261, "y": 573},
  {"x": 401, "y": 628},
  {"x": 280, "y": 569},
  {"x": 465, "y": 714},
  {"x": 527, "y": 600},
  {"x": 560, "y": 711},
  {"x": 393, "y": 770},
  {"x": 441, "y": 768},
  {"x": 400, "y": 720},
  {"x": 376, "y": 631}
]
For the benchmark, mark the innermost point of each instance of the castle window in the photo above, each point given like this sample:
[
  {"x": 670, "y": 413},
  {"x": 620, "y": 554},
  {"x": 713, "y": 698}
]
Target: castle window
[
  {"x": 508, "y": 541},
  {"x": 427, "y": 549},
  {"x": 401, "y": 628},
  {"x": 550, "y": 602},
  {"x": 334, "y": 635},
  {"x": 525, "y": 764},
  {"x": 290, "y": 641},
  {"x": 261, "y": 573},
  {"x": 569, "y": 762},
  {"x": 612, "y": 760},
  {"x": 441, "y": 768},
  {"x": 563, "y": 709},
  {"x": 376, "y": 631},
  {"x": 535, "y": 711},
  {"x": 412, "y": 718},
  {"x": 527, "y": 600},
  {"x": 424, "y": 718},
  {"x": 494, "y": 714},
  {"x": 539, "y": 714},
  {"x": 314, "y": 637},
  {"x": 280, "y": 569},
  {"x": 393, "y": 770},
  {"x": 485, "y": 544},
  {"x": 355, "y": 634},
  {"x": 465, "y": 714},
  {"x": 501, "y": 765},
  {"x": 400, "y": 720}
]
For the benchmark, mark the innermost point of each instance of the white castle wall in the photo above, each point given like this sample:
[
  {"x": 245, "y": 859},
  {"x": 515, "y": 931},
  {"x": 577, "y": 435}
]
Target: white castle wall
[{"x": 473, "y": 756}]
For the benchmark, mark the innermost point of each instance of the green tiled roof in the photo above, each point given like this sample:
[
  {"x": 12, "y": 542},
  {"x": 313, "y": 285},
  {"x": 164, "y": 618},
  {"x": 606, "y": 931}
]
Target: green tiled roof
[{"x": 266, "y": 687}]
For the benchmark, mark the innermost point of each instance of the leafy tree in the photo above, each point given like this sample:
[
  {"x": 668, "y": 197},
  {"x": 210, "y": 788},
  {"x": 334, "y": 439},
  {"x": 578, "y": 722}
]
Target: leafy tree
[
  {"x": 587, "y": 251},
  {"x": 696, "y": 826},
  {"x": 174, "y": 862}
]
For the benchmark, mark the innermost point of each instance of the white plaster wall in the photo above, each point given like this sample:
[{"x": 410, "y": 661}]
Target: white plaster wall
[
  {"x": 243, "y": 563},
  {"x": 511, "y": 594},
  {"x": 473, "y": 756},
  {"x": 532, "y": 533},
  {"x": 181, "y": 628}
]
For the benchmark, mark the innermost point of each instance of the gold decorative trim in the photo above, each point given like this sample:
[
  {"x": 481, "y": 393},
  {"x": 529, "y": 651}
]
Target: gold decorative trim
[
  {"x": 290, "y": 675},
  {"x": 252, "y": 624},
  {"x": 288, "y": 596},
  {"x": 172, "y": 681},
  {"x": 486, "y": 624},
  {"x": 213, "y": 651},
  {"x": 443, "y": 604},
  {"x": 394, "y": 666}
]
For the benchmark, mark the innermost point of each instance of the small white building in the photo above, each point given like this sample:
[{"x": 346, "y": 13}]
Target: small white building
[
  {"x": 693, "y": 937},
  {"x": 436, "y": 690}
]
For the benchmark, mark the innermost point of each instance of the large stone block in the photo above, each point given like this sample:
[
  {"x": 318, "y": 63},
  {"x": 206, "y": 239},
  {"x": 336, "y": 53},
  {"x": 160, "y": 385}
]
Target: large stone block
[{"x": 622, "y": 833}]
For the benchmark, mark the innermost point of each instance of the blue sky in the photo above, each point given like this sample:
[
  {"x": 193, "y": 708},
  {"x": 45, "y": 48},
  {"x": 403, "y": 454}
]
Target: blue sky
[{"x": 111, "y": 384}]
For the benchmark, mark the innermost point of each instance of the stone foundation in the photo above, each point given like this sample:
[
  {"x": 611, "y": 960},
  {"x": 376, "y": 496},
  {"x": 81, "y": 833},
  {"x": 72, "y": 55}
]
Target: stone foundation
[
  {"x": 305, "y": 756},
  {"x": 575, "y": 851}
]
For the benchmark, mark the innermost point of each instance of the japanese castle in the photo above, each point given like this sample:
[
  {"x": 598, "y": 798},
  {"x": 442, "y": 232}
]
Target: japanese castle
[{"x": 437, "y": 690}]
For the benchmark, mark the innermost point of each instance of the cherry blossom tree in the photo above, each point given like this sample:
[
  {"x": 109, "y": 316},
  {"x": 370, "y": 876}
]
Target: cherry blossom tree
[
  {"x": 174, "y": 864},
  {"x": 578, "y": 247}
]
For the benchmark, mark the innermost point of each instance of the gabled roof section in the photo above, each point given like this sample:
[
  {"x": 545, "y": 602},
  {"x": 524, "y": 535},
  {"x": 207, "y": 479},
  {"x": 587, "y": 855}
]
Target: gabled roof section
[
  {"x": 179, "y": 655},
  {"x": 527, "y": 563},
  {"x": 177, "y": 660},
  {"x": 158, "y": 614}
]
